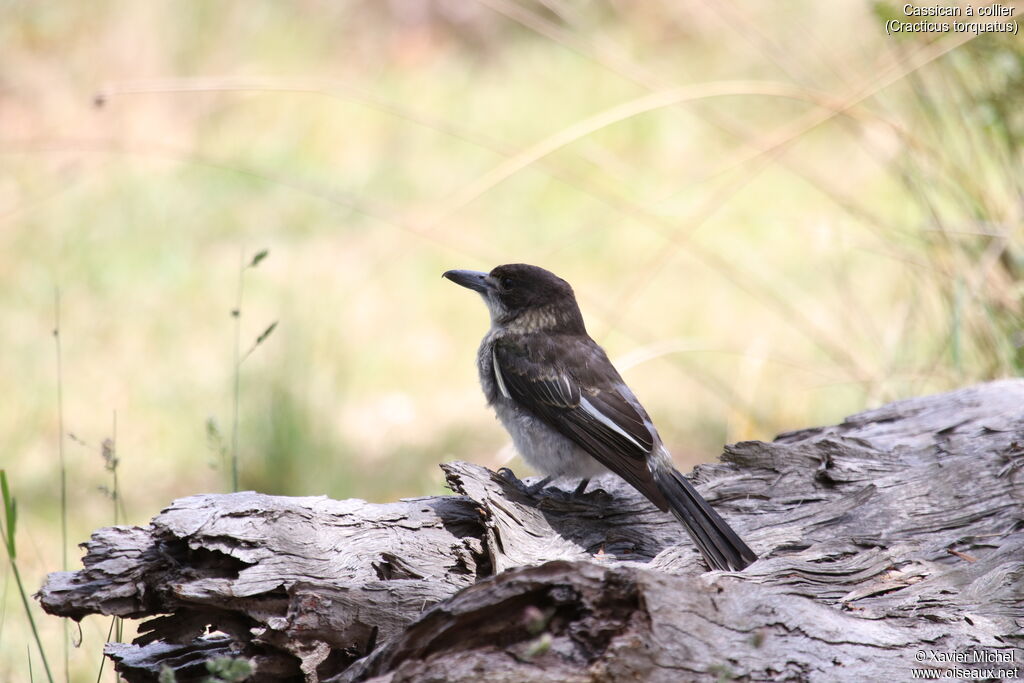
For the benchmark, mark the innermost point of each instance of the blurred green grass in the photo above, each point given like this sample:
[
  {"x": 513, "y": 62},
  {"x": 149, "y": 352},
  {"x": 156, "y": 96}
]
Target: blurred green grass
[{"x": 748, "y": 285}]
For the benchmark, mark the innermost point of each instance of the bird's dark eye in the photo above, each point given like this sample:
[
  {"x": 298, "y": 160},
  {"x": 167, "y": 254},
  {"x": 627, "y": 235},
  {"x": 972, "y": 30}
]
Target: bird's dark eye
[{"x": 507, "y": 283}]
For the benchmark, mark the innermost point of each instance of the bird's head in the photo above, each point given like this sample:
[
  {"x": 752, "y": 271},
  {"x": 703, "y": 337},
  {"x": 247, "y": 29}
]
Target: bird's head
[{"x": 524, "y": 298}]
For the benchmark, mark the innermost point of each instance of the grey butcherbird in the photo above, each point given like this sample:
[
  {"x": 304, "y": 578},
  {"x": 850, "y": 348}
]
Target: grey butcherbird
[{"x": 567, "y": 409}]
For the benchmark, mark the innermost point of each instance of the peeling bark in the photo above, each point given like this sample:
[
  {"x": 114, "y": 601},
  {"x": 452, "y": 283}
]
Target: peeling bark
[{"x": 899, "y": 530}]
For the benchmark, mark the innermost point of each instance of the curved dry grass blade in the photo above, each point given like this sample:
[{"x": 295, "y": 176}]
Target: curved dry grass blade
[{"x": 617, "y": 114}]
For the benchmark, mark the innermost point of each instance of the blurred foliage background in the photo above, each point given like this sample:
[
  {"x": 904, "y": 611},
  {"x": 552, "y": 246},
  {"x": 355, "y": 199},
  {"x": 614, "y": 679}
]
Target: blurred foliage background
[{"x": 774, "y": 215}]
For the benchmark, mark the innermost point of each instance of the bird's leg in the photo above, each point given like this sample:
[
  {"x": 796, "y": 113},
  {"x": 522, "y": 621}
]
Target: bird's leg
[
  {"x": 582, "y": 488},
  {"x": 534, "y": 489},
  {"x": 510, "y": 476}
]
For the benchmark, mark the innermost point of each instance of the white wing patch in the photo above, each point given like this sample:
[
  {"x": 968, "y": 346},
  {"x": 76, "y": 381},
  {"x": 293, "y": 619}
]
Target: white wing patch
[
  {"x": 497, "y": 375},
  {"x": 589, "y": 408}
]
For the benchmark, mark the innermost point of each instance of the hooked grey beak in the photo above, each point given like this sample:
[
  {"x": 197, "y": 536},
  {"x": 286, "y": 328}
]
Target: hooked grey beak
[{"x": 470, "y": 279}]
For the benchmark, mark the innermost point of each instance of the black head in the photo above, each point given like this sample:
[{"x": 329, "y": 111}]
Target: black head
[{"x": 518, "y": 293}]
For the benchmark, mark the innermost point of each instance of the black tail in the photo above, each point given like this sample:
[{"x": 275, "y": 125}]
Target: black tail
[{"x": 721, "y": 547}]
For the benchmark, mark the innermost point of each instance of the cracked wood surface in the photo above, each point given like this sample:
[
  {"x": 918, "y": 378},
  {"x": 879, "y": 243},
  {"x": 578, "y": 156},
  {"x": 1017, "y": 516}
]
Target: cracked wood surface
[{"x": 901, "y": 529}]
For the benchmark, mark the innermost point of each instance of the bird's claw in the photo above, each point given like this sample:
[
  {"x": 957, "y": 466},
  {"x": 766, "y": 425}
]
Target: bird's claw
[
  {"x": 508, "y": 475},
  {"x": 530, "y": 489},
  {"x": 537, "y": 487}
]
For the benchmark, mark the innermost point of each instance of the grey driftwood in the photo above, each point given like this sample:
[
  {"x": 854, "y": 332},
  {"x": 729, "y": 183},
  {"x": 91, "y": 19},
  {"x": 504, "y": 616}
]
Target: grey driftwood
[{"x": 895, "y": 533}]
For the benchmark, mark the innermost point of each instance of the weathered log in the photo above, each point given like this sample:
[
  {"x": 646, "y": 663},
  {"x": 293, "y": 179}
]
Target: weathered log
[{"x": 898, "y": 532}]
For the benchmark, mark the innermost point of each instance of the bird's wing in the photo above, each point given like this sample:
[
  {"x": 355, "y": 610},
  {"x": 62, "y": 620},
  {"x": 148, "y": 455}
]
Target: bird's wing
[{"x": 571, "y": 385}]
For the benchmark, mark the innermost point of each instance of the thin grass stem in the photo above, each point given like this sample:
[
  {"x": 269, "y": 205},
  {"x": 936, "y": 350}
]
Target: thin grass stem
[
  {"x": 63, "y": 471},
  {"x": 236, "y": 396},
  {"x": 8, "y": 531}
]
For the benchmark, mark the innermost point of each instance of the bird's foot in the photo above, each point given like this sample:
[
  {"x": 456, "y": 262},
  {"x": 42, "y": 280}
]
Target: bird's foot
[
  {"x": 537, "y": 487},
  {"x": 530, "y": 489},
  {"x": 597, "y": 501}
]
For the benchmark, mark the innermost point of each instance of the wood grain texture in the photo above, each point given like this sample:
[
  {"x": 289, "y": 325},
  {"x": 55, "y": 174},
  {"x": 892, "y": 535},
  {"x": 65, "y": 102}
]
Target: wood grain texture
[{"x": 899, "y": 530}]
